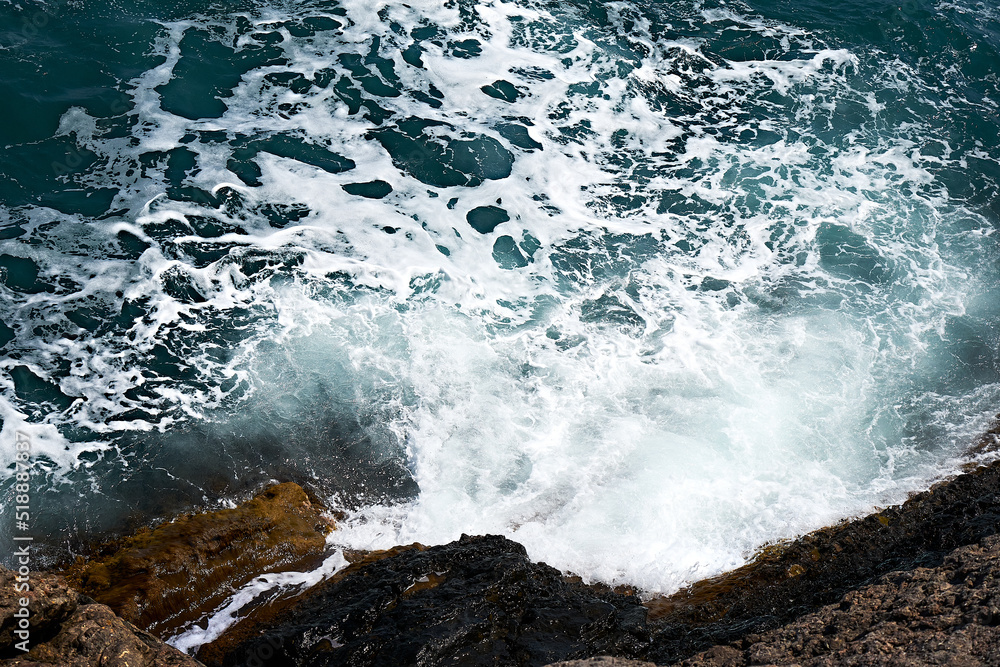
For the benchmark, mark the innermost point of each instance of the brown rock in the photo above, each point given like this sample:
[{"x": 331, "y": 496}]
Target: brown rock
[
  {"x": 149, "y": 579},
  {"x": 789, "y": 580},
  {"x": 70, "y": 630},
  {"x": 948, "y": 614},
  {"x": 51, "y": 602}
]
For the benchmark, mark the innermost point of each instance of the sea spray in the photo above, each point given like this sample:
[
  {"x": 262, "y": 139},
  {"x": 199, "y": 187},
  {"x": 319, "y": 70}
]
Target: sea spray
[{"x": 641, "y": 287}]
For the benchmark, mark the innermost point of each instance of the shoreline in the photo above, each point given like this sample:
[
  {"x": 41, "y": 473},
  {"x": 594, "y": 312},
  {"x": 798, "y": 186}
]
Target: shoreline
[
  {"x": 56, "y": 558},
  {"x": 782, "y": 584},
  {"x": 796, "y": 578},
  {"x": 715, "y": 620}
]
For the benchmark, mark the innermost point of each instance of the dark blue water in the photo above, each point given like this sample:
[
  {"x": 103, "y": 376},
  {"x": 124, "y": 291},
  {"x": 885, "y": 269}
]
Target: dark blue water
[{"x": 643, "y": 286}]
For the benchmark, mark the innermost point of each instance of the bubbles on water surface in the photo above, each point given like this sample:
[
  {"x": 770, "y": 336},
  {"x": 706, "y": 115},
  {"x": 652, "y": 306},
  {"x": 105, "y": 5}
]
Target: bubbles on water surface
[{"x": 642, "y": 288}]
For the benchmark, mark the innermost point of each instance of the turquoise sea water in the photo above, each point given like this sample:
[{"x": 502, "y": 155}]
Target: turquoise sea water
[{"x": 643, "y": 286}]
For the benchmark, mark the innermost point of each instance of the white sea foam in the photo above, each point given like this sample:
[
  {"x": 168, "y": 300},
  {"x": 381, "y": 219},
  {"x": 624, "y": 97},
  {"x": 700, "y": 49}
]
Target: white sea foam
[
  {"x": 49, "y": 452},
  {"x": 194, "y": 637},
  {"x": 734, "y": 328}
]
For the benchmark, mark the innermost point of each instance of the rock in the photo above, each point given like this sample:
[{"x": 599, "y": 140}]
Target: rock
[
  {"x": 912, "y": 584},
  {"x": 602, "y": 661},
  {"x": 162, "y": 579},
  {"x": 70, "y": 630},
  {"x": 791, "y": 580},
  {"x": 51, "y": 602},
  {"x": 273, "y": 610},
  {"x": 948, "y": 614},
  {"x": 477, "y": 601}
]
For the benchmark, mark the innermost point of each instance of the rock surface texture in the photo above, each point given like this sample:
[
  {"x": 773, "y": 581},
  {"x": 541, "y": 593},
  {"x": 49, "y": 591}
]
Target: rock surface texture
[
  {"x": 602, "y": 661},
  {"x": 477, "y": 601},
  {"x": 163, "y": 578},
  {"x": 912, "y": 584},
  {"x": 945, "y": 615},
  {"x": 71, "y": 630},
  {"x": 791, "y": 580}
]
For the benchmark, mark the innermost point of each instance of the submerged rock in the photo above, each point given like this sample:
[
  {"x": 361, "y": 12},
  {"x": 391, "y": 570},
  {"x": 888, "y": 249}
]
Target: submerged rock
[
  {"x": 71, "y": 630},
  {"x": 477, "y": 601},
  {"x": 164, "y": 578}
]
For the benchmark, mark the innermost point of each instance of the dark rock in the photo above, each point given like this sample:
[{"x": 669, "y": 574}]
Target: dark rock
[
  {"x": 788, "y": 581},
  {"x": 948, "y": 614},
  {"x": 477, "y": 601},
  {"x": 70, "y": 630},
  {"x": 914, "y": 584},
  {"x": 274, "y": 611},
  {"x": 602, "y": 661},
  {"x": 165, "y": 578}
]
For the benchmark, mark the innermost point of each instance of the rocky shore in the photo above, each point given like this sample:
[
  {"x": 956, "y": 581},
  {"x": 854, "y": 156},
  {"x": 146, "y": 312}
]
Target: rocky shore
[
  {"x": 914, "y": 584},
  {"x": 946, "y": 614},
  {"x": 166, "y": 578},
  {"x": 71, "y": 630}
]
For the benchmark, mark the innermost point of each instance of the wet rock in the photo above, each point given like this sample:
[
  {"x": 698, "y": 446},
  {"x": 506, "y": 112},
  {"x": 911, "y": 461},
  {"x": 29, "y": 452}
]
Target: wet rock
[
  {"x": 602, "y": 661},
  {"x": 165, "y": 578},
  {"x": 477, "y": 601},
  {"x": 914, "y": 584},
  {"x": 948, "y": 614},
  {"x": 788, "y": 581},
  {"x": 273, "y": 611},
  {"x": 70, "y": 630}
]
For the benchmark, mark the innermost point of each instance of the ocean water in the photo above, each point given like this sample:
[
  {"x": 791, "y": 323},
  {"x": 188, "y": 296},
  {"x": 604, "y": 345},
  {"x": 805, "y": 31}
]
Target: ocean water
[{"x": 641, "y": 285}]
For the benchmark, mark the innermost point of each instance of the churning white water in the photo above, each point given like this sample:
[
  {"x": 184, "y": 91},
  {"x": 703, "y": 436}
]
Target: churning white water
[{"x": 674, "y": 306}]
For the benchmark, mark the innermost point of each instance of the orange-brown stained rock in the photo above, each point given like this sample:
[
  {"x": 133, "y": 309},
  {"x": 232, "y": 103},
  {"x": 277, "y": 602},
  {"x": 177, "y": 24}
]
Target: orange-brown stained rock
[{"x": 163, "y": 578}]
